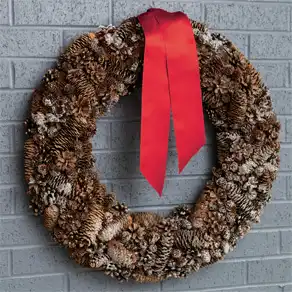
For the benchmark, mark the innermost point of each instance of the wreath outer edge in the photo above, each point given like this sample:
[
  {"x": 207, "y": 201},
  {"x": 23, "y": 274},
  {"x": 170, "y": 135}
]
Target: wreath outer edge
[{"x": 98, "y": 231}]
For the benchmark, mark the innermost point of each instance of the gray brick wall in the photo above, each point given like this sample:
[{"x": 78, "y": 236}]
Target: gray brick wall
[{"x": 32, "y": 34}]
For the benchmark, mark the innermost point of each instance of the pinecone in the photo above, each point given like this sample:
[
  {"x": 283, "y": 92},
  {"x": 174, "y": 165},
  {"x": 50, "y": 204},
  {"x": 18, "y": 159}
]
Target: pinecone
[
  {"x": 182, "y": 211},
  {"x": 121, "y": 207}
]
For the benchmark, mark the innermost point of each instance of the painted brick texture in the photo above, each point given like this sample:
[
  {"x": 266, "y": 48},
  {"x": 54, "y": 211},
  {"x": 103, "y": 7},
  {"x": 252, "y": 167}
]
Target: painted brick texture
[{"x": 32, "y": 35}]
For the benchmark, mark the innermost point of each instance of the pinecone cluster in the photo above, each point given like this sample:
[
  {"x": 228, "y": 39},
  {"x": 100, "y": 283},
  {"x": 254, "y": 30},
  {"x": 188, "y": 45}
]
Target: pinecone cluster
[{"x": 99, "y": 232}]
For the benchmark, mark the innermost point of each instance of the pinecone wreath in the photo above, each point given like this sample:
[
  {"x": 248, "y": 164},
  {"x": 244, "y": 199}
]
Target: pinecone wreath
[{"x": 99, "y": 232}]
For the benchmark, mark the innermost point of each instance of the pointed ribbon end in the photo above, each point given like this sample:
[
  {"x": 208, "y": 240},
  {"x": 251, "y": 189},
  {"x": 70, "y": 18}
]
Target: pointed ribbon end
[{"x": 184, "y": 160}]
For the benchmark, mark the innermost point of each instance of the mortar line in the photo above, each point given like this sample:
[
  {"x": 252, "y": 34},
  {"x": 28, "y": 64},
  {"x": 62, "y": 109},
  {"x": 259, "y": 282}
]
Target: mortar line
[
  {"x": 110, "y": 12},
  {"x": 32, "y": 246},
  {"x": 10, "y": 257},
  {"x": 251, "y": 31},
  {"x": 270, "y": 229},
  {"x": 289, "y": 18},
  {"x": 289, "y": 74},
  {"x": 110, "y": 136},
  {"x": 14, "y": 203},
  {"x": 264, "y": 61},
  {"x": 72, "y": 27},
  {"x": 287, "y": 186},
  {"x": 231, "y": 289},
  {"x": 16, "y": 90},
  {"x": 204, "y": 12},
  {"x": 28, "y": 58},
  {"x": 280, "y": 242},
  {"x": 67, "y": 282},
  {"x": 275, "y": 2},
  {"x": 56, "y": 27},
  {"x": 13, "y": 147},
  {"x": 28, "y": 276},
  {"x": 62, "y": 41},
  {"x": 246, "y": 270},
  {"x": 258, "y": 258},
  {"x": 7, "y": 186},
  {"x": 11, "y": 12},
  {"x": 285, "y": 132},
  {"x": 248, "y": 46}
]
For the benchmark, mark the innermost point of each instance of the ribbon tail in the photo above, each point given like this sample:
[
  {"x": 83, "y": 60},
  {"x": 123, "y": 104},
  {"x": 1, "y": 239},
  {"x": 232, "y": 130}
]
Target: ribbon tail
[
  {"x": 155, "y": 116},
  {"x": 184, "y": 83}
]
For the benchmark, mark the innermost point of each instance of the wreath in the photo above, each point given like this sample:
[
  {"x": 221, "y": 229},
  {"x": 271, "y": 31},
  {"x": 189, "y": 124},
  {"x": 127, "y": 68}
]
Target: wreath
[{"x": 64, "y": 187}]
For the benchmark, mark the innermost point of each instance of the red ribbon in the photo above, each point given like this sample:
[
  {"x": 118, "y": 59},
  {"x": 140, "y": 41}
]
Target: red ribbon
[{"x": 171, "y": 81}]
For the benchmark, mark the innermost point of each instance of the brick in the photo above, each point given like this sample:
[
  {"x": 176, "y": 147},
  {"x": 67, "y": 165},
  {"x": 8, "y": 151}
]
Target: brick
[
  {"x": 201, "y": 163},
  {"x": 26, "y": 230},
  {"x": 11, "y": 169},
  {"x": 19, "y": 42},
  {"x": 239, "y": 40},
  {"x": 285, "y": 159},
  {"x": 269, "y": 271},
  {"x": 290, "y": 69},
  {"x": 176, "y": 191},
  {"x": 217, "y": 275},
  {"x": 273, "y": 0},
  {"x": 21, "y": 200},
  {"x": 273, "y": 74},
  {"x": 4, "y": 73},
  {"x": 126, "y": 135},
  {"x": 19, "y": 137},
  {"x": 33, "y": 284},
  {"x": 282, "y": 101},
  {"x": 274, "y": 46},
  {"x": 257, "y": 244},
  {"x": 254, "y": 289},
  {"x": 102, "y": 138},
  {"x": 91, "y": 281},
  {"x": 4, "y": 12},
  {"x": 247, "y": 16},
  {"x": 286, "y": 241},
  {"x": 66, "y": 12},
  {"x": 6, "y": 136},
  {"x": 6, "y": 200},
  {"x": 276, "y": 215},
  {"x": 287, "y": 288},
  {"x": 117, "y": 165},
  {"x": 71, "y": 35},
  {"x": 126, "y": 164},
  {"x": 29, "y": 73},
  {"x": 42, "y": 260},
  {"x": 4, "y": 263},
  {"x": 279, "y": 188},
  {"x": 284, "y": 135},
  {"x": 288, "y": 130},
  {"x": 123, "y": 9},
  {"x": 13, "y": 105},
  {"x": 192, "y": 9},
  {"x": 128, "y": 107}
]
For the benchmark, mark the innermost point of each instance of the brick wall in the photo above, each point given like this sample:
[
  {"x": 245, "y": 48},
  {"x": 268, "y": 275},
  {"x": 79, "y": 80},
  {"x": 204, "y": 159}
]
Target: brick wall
[{"x": 32, "y": 33}]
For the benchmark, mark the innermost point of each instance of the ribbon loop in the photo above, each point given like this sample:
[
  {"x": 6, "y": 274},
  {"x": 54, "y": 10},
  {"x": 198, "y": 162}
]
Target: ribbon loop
[{"x": 171, "y": 81}]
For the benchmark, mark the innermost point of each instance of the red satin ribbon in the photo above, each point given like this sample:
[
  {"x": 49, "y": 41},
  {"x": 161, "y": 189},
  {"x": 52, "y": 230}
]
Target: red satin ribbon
[{"x": 171, "y": 80}]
